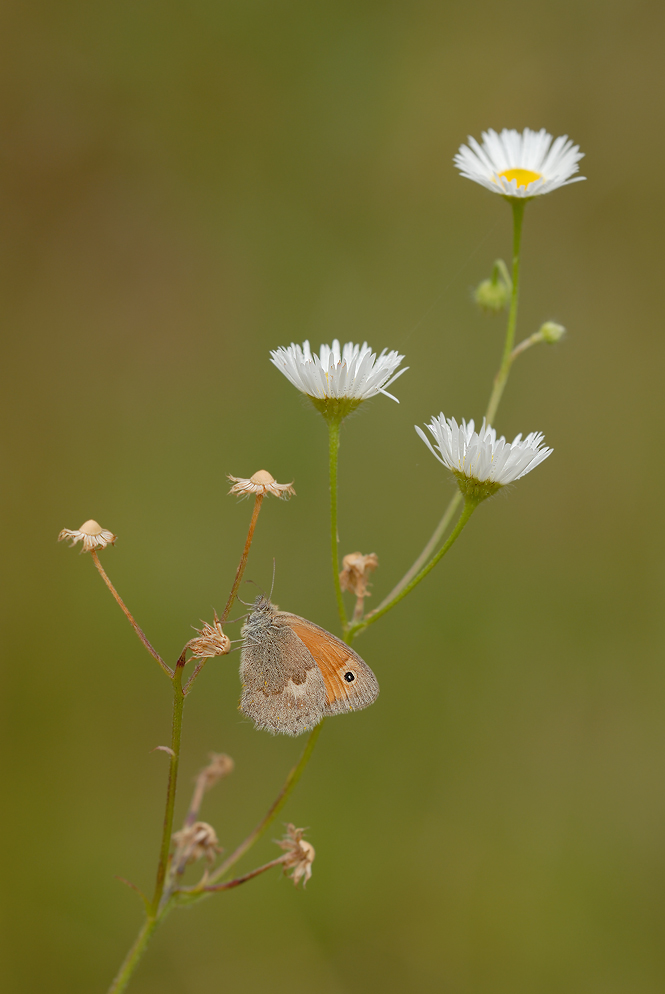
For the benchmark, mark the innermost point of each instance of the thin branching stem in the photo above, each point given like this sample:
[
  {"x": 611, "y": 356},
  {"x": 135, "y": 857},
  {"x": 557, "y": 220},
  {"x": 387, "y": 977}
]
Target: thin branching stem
[
  {"x": 334, "y": 426},
  {"x": 373, "y": 616},
  {"x": 501, "y": 378},
  {"x": 131, "y": 961},
  {"x": 167, "y": 830},
  {"x": 229, "y": 884},
  {"x": 139, "y": 631},
  {"x": 258, "y": 500},
  {"x": 274, "y": 809},
  {"x": 508, "y": 356}
]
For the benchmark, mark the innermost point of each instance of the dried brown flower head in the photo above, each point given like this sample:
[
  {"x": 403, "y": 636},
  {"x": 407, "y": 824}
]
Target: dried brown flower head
[
  {"x": 355, "y": 575},
  {"x": 195, "y": 842},
  {"x": 220, "y": 766},
  {"x": 300, "y": 854},
  {"x": 91, "y": 534},
  {"x": 211, "y": 641},
  {"x": 261, "y": 483}
]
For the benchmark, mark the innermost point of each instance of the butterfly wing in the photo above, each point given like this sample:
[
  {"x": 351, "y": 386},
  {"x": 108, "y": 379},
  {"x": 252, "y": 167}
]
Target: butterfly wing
[
  {"x": 283, "y": 690},
  {"x": 349, "y": 682}
]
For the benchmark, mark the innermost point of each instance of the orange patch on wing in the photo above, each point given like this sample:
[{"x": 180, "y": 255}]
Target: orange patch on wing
[{"x": 331, "y": 655}]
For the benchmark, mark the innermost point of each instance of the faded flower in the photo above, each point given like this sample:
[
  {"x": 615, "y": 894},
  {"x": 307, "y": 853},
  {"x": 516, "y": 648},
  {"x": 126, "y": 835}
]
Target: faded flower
[
  {"x": 91, "y": 534},
  {"x": 220, "y": 766},
  {"x": 211, "y": 641},
  {"x": 194, "y": 842},
  {"x": 355, "y": 574},
  {"x": 299, "y": 854},
  {"x": 261, "y": 483}
]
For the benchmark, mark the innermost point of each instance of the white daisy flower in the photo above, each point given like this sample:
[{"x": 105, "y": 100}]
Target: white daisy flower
[
  {"x": 338, "y": 379},
  {"x": 481, "y": 463},
  {"x": 520, "y": 165}
]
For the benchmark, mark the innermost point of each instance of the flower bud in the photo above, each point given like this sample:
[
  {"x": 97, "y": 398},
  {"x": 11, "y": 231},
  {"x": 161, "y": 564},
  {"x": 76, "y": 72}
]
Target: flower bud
[
  {"x": 491, "y": 297},
  {"x": 551, "y": 332}
]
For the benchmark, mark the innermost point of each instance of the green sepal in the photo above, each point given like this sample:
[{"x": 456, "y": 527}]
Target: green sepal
[
  {"x": 475, "y": 491},
  {"x": 335, "y": 409}
]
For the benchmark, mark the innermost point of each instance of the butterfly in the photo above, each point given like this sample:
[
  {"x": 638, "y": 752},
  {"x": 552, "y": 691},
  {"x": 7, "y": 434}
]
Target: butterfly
[{"x": 294, "y": 673}]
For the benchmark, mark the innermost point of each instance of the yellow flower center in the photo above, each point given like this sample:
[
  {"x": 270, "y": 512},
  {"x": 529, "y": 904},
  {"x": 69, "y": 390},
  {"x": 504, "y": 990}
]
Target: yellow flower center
[{"x": 523, "y": 176}]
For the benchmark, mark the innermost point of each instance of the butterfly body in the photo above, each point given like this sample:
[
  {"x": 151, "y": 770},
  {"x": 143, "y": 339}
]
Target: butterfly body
[{"x": 294, "y": 673}]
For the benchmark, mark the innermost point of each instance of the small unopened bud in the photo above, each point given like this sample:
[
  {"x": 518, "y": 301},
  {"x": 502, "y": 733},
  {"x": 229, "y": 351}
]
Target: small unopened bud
[
  {"x": 211, "y": 641},
  {"x": 551, "y": 332},
  {"x": 355, "y": 574},
  {"x": 220, "y": 766},
  {"x": 91, "y": 534},
  {"x": 491, "y": 297},
  {"x": 261, "y": 483},
  {"x": 195, "y": 842},
  {"x": 300, "y": 854}
]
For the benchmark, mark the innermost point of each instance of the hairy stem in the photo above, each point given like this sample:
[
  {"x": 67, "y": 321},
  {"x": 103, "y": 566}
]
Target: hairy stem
[
  {"x": 124, "y": 975},
  {"x": 500, "y": 380},
  {"x": 176, "y": 730},
  {"x": 425, "y": 555},
  {"x": 274, "y": 809},
  {"x": 333, "y": 449},
  {"x": 258, "y": 500},
  {"x": 139, "y": 631},
  {"x": 156, "y": 911},
  {"x": 373, "y": 616},
  {"x": 229, "y": 884}
]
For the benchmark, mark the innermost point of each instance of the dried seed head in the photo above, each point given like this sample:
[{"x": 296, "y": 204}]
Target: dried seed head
[
  {"x": 91, "y": 534},
  {"x": 220, "y": 766},
  {"x": 299, "y": 854},
  {"x": 211, "y": 641},
  {"x": 261, "y": 483},
  {"x": 355, "y": 575},
  {"x": 195, "y": 842}
]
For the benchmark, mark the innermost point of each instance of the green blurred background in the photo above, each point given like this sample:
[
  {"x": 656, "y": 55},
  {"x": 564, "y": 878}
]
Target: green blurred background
[{"x": 183, "y": 187}]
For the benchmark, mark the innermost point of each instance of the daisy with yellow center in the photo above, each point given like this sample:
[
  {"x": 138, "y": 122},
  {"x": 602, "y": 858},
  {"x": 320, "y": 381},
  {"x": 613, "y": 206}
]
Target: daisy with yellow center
[{"x": 520, "y": 165}]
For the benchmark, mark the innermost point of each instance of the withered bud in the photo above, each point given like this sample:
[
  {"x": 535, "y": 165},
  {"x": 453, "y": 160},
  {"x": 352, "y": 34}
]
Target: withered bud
[
  {"x": 91, "y": 534},
  {"x": 195, "y": 842},
  {"x": 211, "y": 641},
  {"x": 300, "y": 854},
  {"x": 220, "y": 766},
  {"x": 355, "y": 575},
  {"x": 261, "y": 483}
]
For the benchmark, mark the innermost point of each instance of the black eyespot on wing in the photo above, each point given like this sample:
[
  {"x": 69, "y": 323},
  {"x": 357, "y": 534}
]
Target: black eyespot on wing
[{"x": 349, "y": 677}]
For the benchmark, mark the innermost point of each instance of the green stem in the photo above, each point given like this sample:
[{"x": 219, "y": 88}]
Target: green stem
[
  {"x": 426, "y": 553},
  {"x": 509, "y": 355},
  {"x": 176, "y": 730},
  {"x": 518, "y": 205},
  {"x": 373, "y": 616},
  {"x": 156, "y": 912},
  {"x": 133, "y": 956},
  {"x": 275, "y": 808},
  {"x": 333, "y": 450}
]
